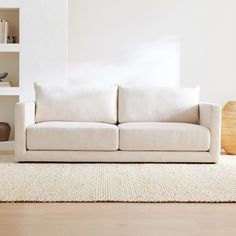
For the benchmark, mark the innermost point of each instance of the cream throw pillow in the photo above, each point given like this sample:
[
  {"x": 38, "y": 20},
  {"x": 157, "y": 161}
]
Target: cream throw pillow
[
  {"x": 75, "y": 103},
  {"x": 155, "y": 104}
]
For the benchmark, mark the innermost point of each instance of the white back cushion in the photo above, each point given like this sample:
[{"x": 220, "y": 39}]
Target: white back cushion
[
  {"x": 154, "y": 104},
  {"x": 74, "y": 103}
]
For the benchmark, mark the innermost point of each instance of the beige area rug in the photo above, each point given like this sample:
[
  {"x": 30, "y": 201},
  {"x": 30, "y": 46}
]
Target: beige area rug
[{"x": 117, "y": 182}]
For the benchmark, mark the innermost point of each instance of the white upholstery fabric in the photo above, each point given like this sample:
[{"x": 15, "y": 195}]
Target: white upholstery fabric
[
  {"x": 115, "y": 156},
  {"x": 24, "y": 116},
  {"x": 72, "y": 136},
  {"x": 210, "y": 117},
  {"x": 164, "y": 137},
  {"x": 153, "y": 104},
  {"x": 74, "y": 103}
]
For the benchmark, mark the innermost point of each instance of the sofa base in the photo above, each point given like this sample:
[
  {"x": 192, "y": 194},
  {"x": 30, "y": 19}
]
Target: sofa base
[{"x": 116, "y": 156}]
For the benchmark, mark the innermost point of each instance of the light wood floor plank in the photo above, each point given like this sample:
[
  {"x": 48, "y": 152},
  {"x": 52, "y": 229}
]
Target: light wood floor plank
[{"x": 116, "y": 219}]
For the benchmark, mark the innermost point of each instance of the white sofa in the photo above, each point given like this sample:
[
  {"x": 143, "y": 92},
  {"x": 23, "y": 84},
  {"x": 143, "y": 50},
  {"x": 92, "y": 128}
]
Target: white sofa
[{"x": 117, "y": 124}]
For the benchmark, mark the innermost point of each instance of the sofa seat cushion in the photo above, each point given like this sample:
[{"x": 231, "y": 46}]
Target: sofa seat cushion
[
  {"x": 163, "y": 136},
  {"x": 72, "y": 136}
]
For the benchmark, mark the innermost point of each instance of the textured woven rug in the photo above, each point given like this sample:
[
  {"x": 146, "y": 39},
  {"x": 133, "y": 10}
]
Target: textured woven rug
[{"x": 117, "y": 182}]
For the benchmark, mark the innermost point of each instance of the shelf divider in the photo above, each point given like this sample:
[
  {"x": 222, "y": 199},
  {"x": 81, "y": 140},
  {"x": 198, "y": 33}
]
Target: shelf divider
[
  {"x": 7, "y": 145},
  {"x": 9, "y": 91},
  {"x": 10, "y": 4},
  {"x": 10, "y": 47}
]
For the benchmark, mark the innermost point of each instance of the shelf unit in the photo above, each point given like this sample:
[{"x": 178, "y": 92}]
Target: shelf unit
[{"x": 9, "y": 62}]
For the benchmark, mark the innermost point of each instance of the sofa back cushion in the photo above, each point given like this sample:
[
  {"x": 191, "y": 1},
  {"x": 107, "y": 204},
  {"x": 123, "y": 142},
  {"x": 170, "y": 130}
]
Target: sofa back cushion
[
  {"x": 74, "y": 103},
  {"x": 155, "y": 104}
]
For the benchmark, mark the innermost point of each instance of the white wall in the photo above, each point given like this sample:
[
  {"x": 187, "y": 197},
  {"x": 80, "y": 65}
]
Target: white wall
[
  {"x": 44, "y": 44},
  {"x": 161, "y": 42}
]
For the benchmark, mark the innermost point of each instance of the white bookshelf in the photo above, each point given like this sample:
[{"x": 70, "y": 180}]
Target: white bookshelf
[{"x": 9, "y": 62}]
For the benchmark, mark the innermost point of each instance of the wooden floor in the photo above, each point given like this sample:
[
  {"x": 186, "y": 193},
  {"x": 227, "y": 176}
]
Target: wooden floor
[{"x": 113, "y": 219}]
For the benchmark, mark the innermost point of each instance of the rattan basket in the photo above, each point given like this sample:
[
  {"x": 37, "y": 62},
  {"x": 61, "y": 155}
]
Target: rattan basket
[{"x": 228, "y": 140}]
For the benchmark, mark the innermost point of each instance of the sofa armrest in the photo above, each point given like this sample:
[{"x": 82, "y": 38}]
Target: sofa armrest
[
  {"x": 24, "y": 116},
  {"x": 210, "y": 117}
]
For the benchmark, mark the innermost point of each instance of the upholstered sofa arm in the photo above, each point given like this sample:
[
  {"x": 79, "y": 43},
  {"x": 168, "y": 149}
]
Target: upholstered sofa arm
[
  {"x": 210, "y": 117},
  {"x": 24, "y": 116}
]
